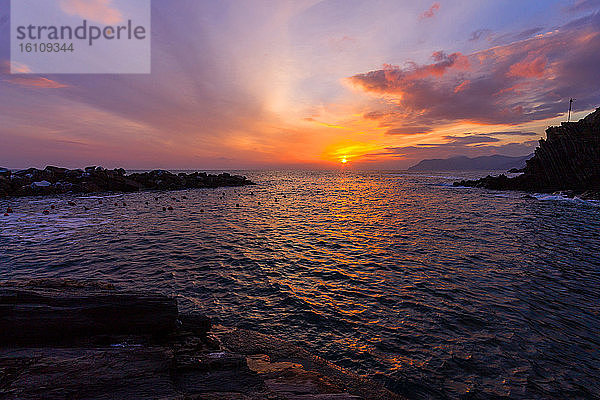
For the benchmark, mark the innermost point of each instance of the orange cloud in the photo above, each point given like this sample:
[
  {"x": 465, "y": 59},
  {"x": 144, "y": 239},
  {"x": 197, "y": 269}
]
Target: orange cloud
[
  {"x": 431, "y": 11},
  {"x": 507, "y": 84},
  {"x": 95, "y": 10},
  {"x": 36, "y": 82},
  {"x": 530, "y": 67},
  {"x": 8, "y": 67},
  {"x": 462, "y": 86},
  {"x": 392, "y": 78}
]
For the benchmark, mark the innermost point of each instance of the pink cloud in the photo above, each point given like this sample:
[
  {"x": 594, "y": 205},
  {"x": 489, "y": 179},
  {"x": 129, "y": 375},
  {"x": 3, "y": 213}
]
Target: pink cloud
[
  {"x": 392, "y": 78},
  {"x": 101, "y": 11},
  {"x": 524, "y": 81},
  {"x": 530, "y": 67},
  {"x": 431, "y": 11}
]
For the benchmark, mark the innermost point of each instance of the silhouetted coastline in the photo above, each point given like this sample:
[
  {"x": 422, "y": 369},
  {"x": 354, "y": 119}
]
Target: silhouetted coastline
[
  {"x": 568, "y": 160},
  {"x": 56, "y": 180}
]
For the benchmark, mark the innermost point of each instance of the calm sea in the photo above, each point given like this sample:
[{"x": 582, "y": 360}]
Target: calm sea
[{"x": 439, "y": 292}]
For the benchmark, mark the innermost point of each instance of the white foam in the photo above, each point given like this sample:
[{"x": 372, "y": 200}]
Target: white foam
[
  {"x": 556, "y": 197},
  {"x": 560, "y": 197},
  {"x": 442, "y": 176},
  {"x": 38, "y": 227},
  {"x": 101, "y": 197}
]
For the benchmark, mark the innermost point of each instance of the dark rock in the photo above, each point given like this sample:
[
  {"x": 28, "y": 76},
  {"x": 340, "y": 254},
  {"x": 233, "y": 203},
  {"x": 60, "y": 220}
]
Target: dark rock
[
  {"x": 94, "y": 342},
  {"x": 87, "y": 373},
  {"x": 568, "y": 159},
  {"x": 56, "y": 170},
  {"x": 6, "y": 186},
  {"x": 55, "y": 180},
  {"x": 197, "y": 323},
  {"x": 590, "y": 195},
  {"x": 39, "y": 315}
]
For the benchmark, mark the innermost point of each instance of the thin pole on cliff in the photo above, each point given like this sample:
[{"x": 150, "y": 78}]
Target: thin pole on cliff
[{"x": 570, "y": 106}]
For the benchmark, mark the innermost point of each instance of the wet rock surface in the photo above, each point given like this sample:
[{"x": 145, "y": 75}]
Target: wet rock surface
[
  {"x": 568, "y": 160},
  {"x": 161, "y": 355},
  {"x": 55, "y": 180}
]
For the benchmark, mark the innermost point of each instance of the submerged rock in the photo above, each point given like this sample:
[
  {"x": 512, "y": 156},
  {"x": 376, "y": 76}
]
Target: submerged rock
[
  {"x": 56, "y": 180},
  {"x": 568, "y": 159}
]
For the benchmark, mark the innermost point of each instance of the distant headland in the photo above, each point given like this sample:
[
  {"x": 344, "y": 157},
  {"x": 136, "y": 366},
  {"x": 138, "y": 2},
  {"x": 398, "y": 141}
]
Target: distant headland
[
  {"x": 568, "y": 160},
  {"x": 463, "y": 163},
  {"x": 55, "y": 180}
]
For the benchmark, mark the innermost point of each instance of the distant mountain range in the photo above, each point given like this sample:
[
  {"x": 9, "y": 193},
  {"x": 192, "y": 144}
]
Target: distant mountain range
[{"x": 463, "y": 163}]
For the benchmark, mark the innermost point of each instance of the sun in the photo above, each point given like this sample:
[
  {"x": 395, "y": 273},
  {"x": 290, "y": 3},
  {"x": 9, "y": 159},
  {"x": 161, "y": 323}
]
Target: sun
[{"x": 344, "y": 160}]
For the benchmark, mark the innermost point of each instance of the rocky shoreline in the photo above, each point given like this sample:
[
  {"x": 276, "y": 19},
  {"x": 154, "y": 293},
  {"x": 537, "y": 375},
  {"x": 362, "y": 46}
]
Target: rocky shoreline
[
  {"x": 55, "y": 180},
  {"x": 566, "y": 162},
  {"x": 82, "y": 340}
]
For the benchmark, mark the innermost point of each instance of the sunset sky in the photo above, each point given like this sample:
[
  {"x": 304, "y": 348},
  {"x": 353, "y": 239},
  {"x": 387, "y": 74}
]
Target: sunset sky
[{"x": 276, "y": 84}]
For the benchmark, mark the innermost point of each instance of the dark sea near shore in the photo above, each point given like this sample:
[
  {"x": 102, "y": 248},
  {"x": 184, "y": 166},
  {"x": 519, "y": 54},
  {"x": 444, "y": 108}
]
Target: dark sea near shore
[{"x": 438, "y": 291}]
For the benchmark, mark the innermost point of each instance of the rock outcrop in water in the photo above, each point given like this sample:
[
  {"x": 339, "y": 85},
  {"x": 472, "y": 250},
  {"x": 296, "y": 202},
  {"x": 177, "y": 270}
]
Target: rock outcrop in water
[
  {"x": 55, "y": 180},
  {"x": 567, "y": 160},
  {"x": 64, "y": 339}
]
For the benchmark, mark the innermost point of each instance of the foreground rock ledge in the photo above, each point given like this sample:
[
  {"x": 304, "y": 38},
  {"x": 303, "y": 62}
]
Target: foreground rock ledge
[
  {"x": 568, "y": 160},
  {"x": 55, "y": 180},
  {"x": 65, "y": 339}
]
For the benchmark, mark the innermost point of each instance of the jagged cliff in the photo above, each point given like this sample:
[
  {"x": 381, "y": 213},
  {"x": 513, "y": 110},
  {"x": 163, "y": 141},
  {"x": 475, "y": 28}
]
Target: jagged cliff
[{"x": 567, "y": 160}]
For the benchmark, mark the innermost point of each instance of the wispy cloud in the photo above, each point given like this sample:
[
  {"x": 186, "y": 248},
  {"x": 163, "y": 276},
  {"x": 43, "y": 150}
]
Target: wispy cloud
[
  {"x": 413, "y": 154},
  {"x": 510, "y": 133},
  {"x": 583, "y": 5},
  {"x": 32, "y": 81},
  {"x": 35, "y": 82},
  {"x": 409, "y": 130}
]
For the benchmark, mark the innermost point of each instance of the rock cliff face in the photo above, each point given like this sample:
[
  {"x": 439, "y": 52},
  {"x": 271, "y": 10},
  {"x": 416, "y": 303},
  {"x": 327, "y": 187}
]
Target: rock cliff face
[
  {"x": 55, "y": 180},
  {"x": 567, "y": 160}
]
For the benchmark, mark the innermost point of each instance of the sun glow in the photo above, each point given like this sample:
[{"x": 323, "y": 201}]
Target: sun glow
[{"x": 344, "y": 160}]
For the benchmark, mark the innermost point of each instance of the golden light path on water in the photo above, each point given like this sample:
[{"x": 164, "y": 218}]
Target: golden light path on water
[{"x": 437, "y": 291}]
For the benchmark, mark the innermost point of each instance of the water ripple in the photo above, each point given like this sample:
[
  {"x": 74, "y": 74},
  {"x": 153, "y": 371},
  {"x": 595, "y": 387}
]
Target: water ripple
[{"x": 439, "y": 292}]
